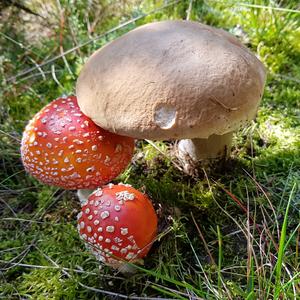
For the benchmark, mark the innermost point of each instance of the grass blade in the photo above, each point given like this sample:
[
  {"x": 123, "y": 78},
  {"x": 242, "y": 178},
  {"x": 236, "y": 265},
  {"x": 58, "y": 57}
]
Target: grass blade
[{"x": 281, "y": 246}]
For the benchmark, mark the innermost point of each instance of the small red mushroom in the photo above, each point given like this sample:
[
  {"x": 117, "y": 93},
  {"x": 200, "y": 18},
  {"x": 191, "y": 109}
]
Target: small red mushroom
[
  {"x": 63, "y": 147},
  {"x": 118, "y": 224}
]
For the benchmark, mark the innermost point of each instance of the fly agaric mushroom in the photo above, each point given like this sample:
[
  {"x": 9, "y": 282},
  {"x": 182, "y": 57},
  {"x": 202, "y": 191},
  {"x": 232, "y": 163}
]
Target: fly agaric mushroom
[
  {"x": 118, "y": 224},
  {"x": 63, "y": 147},
  {"x": 179, "y": 80}
]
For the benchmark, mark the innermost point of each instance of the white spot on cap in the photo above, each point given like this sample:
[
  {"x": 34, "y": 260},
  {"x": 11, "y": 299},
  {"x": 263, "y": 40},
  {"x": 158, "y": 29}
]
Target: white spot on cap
[
  {"x": 82, "y": 224},
  {"x": 110, "y": 229},
  {"x": 94, "y": 148},
  {"x": 123, "y": 251},
  {"x": 117, "y": 207},
  {"x": 91, "y": 169},
  {"x": 107, "y": 159},
  {"x": 118, "y": 240},
  {"x": 78, "y": 142},
  {"x": 87, "y": 210},
  {"x": 98, "y": 193},
  {"x": 165, "y": 116},
  {"x": 104, "y": 214},
  {"x": 118, "y": 148},
  {"x": 90, "y": 217},
  {"x": 124, "y": 231},
  {"x": 100, "y": 238},
  {"x": 107, "y": 240},
  {"x": 130, "y": 255},
  {"x": 89, "y": 229},
  {"x": 124, "y": 196},
  {"x": 96, "y": 222},
  {"x": 99, "y": 229}
]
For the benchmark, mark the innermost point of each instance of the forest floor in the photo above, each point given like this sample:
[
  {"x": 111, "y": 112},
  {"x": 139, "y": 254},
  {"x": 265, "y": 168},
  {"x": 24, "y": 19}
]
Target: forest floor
[{"x": 230, "y": 231}]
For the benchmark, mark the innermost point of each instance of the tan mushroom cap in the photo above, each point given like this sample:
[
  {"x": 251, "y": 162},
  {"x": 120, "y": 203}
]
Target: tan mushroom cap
[{"x": 171, "y": 79}]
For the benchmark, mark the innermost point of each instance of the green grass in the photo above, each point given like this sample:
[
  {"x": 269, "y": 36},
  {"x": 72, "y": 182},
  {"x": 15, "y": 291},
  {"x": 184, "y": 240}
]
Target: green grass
[{"x": 229, "y": 232}]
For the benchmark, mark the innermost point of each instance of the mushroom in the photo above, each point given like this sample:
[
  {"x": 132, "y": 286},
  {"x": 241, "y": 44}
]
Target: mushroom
[
  {"x": 118, "y": 224},
  {"x": 174, "y": 80},
  {"x": 63, "y": 147}
]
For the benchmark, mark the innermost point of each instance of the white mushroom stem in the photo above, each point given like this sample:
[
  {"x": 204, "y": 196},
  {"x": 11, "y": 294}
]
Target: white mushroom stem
[
  {"x": 215, "y": 146},
  {"x": 83, "y": 195}
]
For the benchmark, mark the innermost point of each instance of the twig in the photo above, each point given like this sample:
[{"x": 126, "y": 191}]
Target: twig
[
  {"x": 55, "y": 78},
  {"x": 11, "y": 136},
  {"x": 189, "y": 10},
  {"x": 9, "y": 207},
  {"x": 268, "y": 199},
  {"x": 286, "y": 10},
  {"x": 215, "y": 100},
  {"x": 203, "y": 240}
]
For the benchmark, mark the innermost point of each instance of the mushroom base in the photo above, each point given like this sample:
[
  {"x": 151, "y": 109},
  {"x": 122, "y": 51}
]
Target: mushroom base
[
  {"x": 125, "y": 267},
  {"x": 214, "y": 147}
]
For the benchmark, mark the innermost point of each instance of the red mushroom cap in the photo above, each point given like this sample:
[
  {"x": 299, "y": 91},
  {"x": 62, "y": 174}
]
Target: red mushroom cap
[
  {"x": 63, "y": 147},
  {"x": 118, "y": 223}
]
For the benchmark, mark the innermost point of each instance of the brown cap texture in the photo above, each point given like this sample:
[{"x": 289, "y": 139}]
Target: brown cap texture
[{"x": 171, "y": 79}]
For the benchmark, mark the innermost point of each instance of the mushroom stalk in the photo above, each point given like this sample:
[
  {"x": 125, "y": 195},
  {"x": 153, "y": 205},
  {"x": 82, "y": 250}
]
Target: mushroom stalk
[
  {"x": 215, "y": 146},
  {"x": 83, "y": 195}
]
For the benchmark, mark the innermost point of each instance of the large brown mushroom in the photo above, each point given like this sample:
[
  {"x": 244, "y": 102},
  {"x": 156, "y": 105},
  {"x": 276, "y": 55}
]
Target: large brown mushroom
[{"x": 174, "y": 80}]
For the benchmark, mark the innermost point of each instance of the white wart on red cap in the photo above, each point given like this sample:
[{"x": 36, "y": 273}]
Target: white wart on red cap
[
  {"x": 63, "y": 147},
  {"x": 118, "y": 223}
]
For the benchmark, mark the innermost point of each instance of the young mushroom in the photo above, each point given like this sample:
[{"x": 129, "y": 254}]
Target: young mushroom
[
  {"x": 174, "y": 80},
  {"x": 118, "y": 224},
  {"x": 63, "y": 147}
]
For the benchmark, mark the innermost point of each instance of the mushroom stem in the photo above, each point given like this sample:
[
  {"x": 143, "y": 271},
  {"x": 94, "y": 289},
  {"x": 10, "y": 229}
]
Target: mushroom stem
[
  {"x": 215, "y": 146},
  {"x": 83, "y": 195}
]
